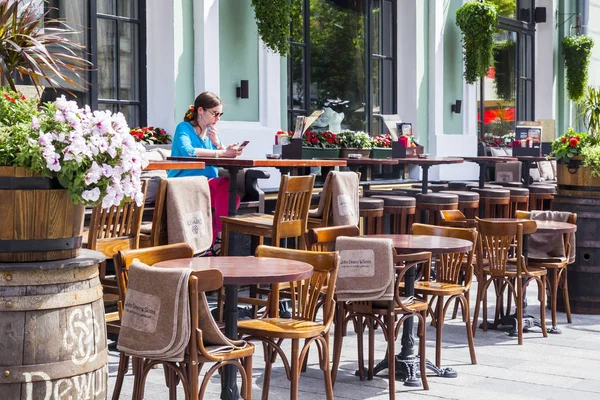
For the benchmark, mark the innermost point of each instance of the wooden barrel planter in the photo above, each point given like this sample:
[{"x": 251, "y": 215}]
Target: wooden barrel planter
[
  {"x": 53, "y": 330},
  {"x": 38, "y": 220},
  {"x": 573, "y": 179},
  {"x": 584, "y": 273}
]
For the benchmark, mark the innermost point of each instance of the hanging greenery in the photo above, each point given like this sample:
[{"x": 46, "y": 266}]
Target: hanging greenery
[
  {"x": 577, "y": 50},
  {"x": 590, "y": 110},
  {"x": 477, "y": 20},
  {"x": 504, "y": 64},
  {"x": 273, "y": 18}
]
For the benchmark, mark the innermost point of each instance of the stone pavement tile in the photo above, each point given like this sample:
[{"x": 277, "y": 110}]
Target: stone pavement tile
[
  {"x": 537, "y": 391},
  {"x": 589, "y": 386}
]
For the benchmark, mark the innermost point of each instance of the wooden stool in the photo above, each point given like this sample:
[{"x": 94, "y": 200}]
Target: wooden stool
[
  {"x": 435, "y": 187},
  {"x": 507, "y": 184},
  {"x": 458, "y": 185},
  {"x": 370, "y": 211},
  {"x": 468, "y": 203},
  {"x": 519, "y": 200},
  {"x": 537, "y": 196},
  {"x": 472, "y": 186},
  {"x": 493, "y": 203},
  {"x": 383, "y": 192},
  {"x": 430, "y": 203},
  {"x": 401, "y": 210},
  {"x": 414, "y": 191}
]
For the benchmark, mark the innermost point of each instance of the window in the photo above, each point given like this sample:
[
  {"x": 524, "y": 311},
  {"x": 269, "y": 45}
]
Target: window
[
  {"x": 113, "y": 32},
  {"x": 342, "y": 56}
]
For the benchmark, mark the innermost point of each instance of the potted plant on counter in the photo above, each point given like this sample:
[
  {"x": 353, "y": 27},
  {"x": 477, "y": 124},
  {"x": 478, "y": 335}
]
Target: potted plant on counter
[
  {"x": 355, "y": 143},
  {"x": 382, "y": 146},
  {"x": 320, "y": 145}
]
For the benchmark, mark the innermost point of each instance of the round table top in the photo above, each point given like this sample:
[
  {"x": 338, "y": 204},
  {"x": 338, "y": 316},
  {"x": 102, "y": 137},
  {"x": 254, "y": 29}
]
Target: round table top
[
  {"x": 536, "y": 226},
  {"x": 435, "y": 244},
  {"x": 489, "y": 159},
  {"x": 429, "y": 160},
  {"x": 533, "y": 158},
  {"x": 246, "y": 270}
]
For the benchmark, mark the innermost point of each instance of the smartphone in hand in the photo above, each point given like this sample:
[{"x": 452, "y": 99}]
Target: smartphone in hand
[{"x": 244, "y": 144}]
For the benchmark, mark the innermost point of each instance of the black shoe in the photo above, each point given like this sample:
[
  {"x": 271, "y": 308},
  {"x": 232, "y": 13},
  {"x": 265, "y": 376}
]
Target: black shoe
[{"x": 284, "y": 309}]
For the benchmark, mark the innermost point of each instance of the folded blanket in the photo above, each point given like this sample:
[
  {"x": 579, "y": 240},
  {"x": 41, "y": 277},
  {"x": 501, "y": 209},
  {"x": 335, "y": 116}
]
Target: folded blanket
[
  {"x": 156, "y": 314},
  {"x": 344, "y": 198},
  {"x": 550, "y": 245},
  {"x": 366, "y": 269},
  {"x": 189, "y": 217}
]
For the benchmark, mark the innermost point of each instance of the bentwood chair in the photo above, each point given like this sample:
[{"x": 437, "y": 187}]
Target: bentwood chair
[
  {"x": 454, "y": 274},
  {"x": 155, "y": 233},
  {"x": 123, "y": 260},
  {"x": 495, "y": 245},
  {"x": 303, "y": 325},
  {"x": 557, "y": 267}
]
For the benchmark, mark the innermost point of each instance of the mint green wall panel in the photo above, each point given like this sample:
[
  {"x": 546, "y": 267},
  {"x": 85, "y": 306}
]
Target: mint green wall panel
[
  {"x": 453, "y": 73},
  {"x": 238, "y": 48}
]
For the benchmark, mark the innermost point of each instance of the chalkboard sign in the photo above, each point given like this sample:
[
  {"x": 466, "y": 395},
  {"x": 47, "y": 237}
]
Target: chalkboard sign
[
  {"x": 404, "y": 128},
  {"x": 522, "y": 132}
]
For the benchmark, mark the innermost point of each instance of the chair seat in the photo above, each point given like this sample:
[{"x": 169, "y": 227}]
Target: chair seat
[
  {"x": 259, "y": 224},
  {"x": 280, "y": 328},
  {"x": 549, "y": 261},
  {"x": 438, "y": 288},
  {"x": 417, "y": 305},
  {"x": 222, "y": 353},
  {"x": 518, "y": 191},
  {"x": 542, "y": 189},
  {"x": 437, "y": 198},
  {"x": 370, "y": 203},
  {"x": 146, "y": 228},
  {"x": 396, "y": 201},
  {"x": 511, "y": 270},
  {"x": 493, "y": 193},
  {"x": 463, "y": 195}
]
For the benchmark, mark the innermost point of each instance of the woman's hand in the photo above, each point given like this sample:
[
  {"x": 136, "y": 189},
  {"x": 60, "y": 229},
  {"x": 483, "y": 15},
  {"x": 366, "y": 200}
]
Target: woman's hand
[
  {"x": 213, "y": 135},
  {"x": 232, "y": 151}
]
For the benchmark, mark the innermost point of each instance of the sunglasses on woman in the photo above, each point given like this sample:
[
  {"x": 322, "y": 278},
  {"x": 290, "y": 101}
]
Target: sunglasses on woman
[{"x": 215, "y": 114}]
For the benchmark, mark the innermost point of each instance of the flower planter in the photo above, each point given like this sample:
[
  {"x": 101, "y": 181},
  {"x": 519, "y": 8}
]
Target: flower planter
[
  {"x": 365, "y": 153},
  {"x": 381, "y": 152},
  {"x": 573, "y": 179},
  {"x": 309, "y": 153},
  {"x": 38, "y": 220}
]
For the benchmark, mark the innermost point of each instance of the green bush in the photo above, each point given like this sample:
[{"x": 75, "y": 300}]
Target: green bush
[{"x": 577, "y": 51}]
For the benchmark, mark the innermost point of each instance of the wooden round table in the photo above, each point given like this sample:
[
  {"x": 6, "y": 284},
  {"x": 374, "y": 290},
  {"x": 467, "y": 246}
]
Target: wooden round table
[
  {"x": 406, "y": 244},
  {"x": 485, "y": 162},
  {"x": 426, "y": 163},
  {"x": 243, "y": 271}
]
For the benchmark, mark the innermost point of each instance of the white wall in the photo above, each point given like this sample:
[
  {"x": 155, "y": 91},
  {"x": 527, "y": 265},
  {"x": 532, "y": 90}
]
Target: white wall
[{"x": 545, "y": 99}]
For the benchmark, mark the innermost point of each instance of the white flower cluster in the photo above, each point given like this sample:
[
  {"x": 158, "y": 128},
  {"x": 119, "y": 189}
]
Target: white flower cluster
[{"x": 97, "y": 146}]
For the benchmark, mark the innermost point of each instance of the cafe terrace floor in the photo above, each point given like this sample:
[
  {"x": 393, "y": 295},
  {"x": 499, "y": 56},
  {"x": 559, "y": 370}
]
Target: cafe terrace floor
[{"x": 565, "y": 366}]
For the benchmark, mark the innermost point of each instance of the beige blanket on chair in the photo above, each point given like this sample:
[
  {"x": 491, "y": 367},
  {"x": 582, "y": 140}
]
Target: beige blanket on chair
[
  {"x": 344, "y": 198},
  {"x": 156, "y": 314},
  {"x": 189, "y": 217},
  {"x": 366, "y": 269},
  {"x": 550, "y": 245}
]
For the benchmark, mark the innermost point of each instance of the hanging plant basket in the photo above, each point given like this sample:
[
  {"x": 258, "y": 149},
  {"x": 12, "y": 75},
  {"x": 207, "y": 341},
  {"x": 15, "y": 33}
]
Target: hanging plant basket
[
  {"x": 504, "y": 64},
  {"x": 273, "y": 18},
  {"x": 477, "y": 20},
  {"x": 577, "y": 51}
]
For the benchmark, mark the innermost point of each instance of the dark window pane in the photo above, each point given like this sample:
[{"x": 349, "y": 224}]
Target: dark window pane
[
  {"x": 387, "y": 31},
  {"x": 132, "y": 115},
  {"x": 110, "y": 107},
  {"x": 128, "y": 62},
  {"x": 387, "y": 88},
  {"x": 377, "y": 83},
  {"x": 128, "y": 8},
  {"x": 297, "y": 77},
  {"x": 297, "y": 28},
  {"x": 107, "y": 84},
  {"x": 375, "y": 17}
]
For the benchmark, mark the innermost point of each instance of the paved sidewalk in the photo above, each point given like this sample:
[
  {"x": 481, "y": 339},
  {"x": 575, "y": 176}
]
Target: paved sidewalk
[{"x": 558, "y": 367}]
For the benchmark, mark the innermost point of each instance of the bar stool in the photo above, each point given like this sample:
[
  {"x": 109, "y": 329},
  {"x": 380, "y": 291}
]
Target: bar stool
[
  {"x": 414, "y": 191},
  {"x": 507, "y": 184},
  {"x": 537, "y": 196},
  {"x": 430, "y": 203},
  {"x": 383, "y": 192},
  {"x": 370, "y": 211},
  {"x": 494, "y": 203},
  {"x": 519, "y": 200},
  {"x": 468, "y": 203},
  {"x": 435, "y": 187},
  {"x": 472, "y": 186},
  {"x": 458, "y": 185},
  {"x": 401, "y": 210}
]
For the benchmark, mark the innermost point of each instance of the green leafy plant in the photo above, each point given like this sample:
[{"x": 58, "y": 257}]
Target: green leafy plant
[
  {"x": 590, "y": 110},
  {"x": 355, "y": 140},
  {"x": 273, "y": 18},
  {"x": 322, "y": 140},
  {"x": 504, "y": 62},
  {"x": 38, "y": 46},
  {"x": 570, "y": 145},
  {"x": 477, "y": 20},
  {"x": 591, "y": 159},
  {"x": 577, "y": 50}
]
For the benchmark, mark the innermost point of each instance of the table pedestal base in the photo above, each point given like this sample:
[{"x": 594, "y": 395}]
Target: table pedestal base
[
  {"x": 509, "y": 323},
  {"x": 408, "y": 370}
]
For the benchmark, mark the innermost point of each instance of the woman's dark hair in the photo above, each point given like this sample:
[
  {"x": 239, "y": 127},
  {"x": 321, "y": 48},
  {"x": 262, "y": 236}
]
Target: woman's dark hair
[{"x": 205, "y": 100}]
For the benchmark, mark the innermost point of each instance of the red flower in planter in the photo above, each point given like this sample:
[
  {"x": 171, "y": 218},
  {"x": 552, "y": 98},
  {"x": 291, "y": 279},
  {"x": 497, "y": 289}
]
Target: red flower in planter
[{"x": 573, "y": 142}]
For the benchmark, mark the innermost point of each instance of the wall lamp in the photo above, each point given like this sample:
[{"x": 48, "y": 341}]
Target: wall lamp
[
  {"x": 456, "y": 107},
  {"x": 242, "y": 91}
]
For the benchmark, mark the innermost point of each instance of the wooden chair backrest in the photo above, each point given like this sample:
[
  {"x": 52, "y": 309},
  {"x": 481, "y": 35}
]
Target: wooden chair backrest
[
  {"x": 306, "y": 294},
  {"x": 159, "y": 218},
  {"x": 293, "y": 202},
  {"x": 116, "y": 228},
  {"x": 450, "y": 264},
  {"x": 453, "y": 218},
  {"x": 323, "y": 239},
  {"x": 496, "y": 239},
  {"x": 148, "y": 255},
  {"x": 328, "y": 193}
]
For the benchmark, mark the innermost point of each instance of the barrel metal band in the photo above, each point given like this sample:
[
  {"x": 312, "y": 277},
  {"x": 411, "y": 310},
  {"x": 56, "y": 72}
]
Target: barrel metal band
[
  {"x": 51, "y": 301},
  {"x": 48, "y": 276},
  {"x": 32, "y": 245},
  {"x": 52, "y": 371},
  {"x": 579, "y": 188},
  {"x": 29, "y": 183}
]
